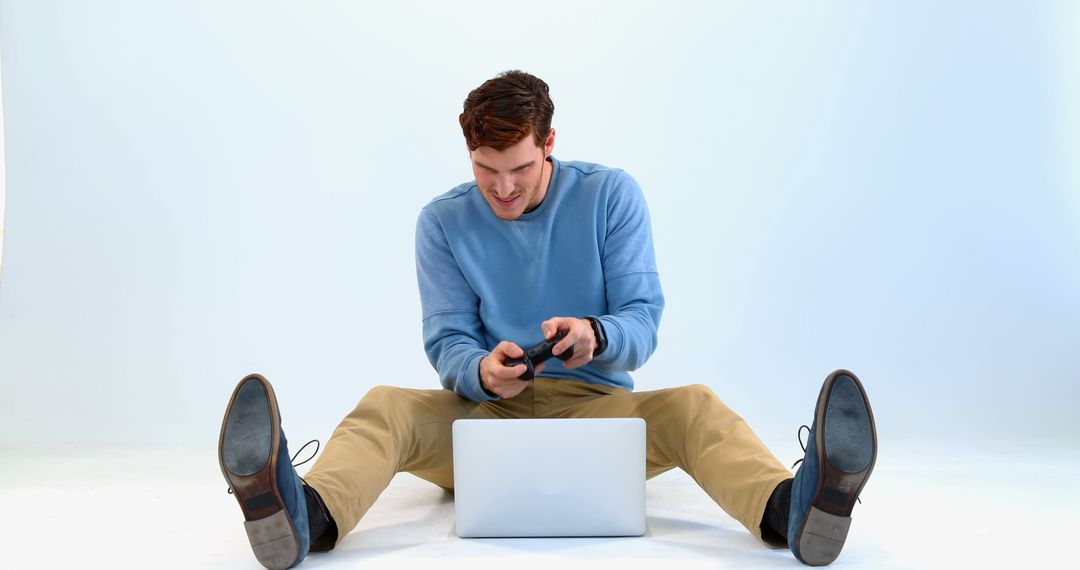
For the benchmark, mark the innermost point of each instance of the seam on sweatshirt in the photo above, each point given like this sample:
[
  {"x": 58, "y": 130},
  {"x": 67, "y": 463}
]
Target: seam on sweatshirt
[
  {"x": 628, "y": 273},
  {"x": 447, "y": 311}
]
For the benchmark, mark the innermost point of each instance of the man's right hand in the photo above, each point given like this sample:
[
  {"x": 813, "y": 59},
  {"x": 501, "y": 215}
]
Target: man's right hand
[{"x": 500, "y": 379}]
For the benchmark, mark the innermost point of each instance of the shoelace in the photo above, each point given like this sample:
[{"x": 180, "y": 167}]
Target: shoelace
[
  {"x": 298, "y": 452},
  {"x": 301, "y": 450},
  {"x": 803, "y": 446}
]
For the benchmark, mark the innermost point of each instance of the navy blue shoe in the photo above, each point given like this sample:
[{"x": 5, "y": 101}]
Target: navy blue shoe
[
  {"x": 840, "y": 455},
  {"x": 254, "y": 458}
]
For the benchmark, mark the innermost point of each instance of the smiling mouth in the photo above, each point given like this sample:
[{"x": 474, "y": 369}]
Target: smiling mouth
[{"x": 506, "y": 202}]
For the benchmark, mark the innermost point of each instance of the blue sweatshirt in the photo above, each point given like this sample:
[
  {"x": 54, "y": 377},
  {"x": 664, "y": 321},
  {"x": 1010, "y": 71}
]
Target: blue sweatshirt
[{"x": 586, "y": 250}]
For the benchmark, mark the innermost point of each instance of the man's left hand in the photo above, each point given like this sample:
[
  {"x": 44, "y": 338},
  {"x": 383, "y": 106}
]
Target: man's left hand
[{"x": 579, "y": 335}]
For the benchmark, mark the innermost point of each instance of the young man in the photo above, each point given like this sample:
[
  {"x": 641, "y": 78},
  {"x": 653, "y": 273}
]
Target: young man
[{"x": 532, "y": 247}]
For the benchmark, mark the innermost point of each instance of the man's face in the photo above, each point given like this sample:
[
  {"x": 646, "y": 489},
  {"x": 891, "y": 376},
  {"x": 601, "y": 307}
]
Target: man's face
[{"x": 514, "y": 180}]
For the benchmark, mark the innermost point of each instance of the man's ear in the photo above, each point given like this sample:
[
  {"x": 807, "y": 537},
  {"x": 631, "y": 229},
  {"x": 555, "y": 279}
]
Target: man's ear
[{"x": 549, "y": 144}]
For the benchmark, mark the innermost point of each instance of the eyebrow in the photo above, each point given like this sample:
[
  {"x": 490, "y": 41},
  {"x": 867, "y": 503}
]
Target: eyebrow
[{"x": 519, "y": 167}]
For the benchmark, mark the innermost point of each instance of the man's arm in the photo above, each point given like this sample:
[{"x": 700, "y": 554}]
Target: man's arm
[
  {"x": 634, "y": 297},
  {"x": 453, "y": 333}
]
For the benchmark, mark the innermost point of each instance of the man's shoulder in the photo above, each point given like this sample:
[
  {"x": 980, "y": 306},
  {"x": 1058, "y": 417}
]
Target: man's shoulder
[
  {"x": 602, "y": 180},
  {"x": 457, "y": 193},
  {"x": 590, "y": 168},
  {"x": 454, "y": 199}
]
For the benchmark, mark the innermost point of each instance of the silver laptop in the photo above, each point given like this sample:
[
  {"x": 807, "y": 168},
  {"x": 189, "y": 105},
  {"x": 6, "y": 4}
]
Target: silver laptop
[{"x": 549, "y": 477}]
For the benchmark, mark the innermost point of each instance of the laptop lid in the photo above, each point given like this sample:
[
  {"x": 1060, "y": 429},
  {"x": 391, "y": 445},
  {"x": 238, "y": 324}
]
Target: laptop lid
[{"x": 549, "y": 477}]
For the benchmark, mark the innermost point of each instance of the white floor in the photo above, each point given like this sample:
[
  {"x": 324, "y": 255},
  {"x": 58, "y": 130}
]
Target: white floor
[{"x": 1011, "y": 507}]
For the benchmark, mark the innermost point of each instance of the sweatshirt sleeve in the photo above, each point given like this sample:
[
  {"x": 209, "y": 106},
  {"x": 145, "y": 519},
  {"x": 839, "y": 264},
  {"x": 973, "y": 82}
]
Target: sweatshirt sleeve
[
  {"x": 453, "y": 333},
  {"x": 634, "y": 297}
]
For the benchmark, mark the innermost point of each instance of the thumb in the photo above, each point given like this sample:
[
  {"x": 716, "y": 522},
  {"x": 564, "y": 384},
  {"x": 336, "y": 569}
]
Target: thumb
[
  {"x": 550, "y": 327},
  {"x": 513, "y": 350}
]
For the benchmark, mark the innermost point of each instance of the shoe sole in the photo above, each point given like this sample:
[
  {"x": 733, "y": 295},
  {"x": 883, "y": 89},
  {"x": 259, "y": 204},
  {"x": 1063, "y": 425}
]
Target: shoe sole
[
  {"x": 247, "y": 453},
  {"x": 847, "y": 450}
]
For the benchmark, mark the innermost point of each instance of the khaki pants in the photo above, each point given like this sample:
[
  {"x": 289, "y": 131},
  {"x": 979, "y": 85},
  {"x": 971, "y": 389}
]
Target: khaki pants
[{"x": 396, "y": 429}]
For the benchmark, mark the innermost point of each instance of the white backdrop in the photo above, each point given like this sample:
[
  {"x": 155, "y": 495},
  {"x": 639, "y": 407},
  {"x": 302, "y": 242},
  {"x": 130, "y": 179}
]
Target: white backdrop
[{"x": 200, "y": 189}]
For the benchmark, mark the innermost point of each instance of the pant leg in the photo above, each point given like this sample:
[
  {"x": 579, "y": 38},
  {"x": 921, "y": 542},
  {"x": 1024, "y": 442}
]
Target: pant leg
[
  {"x": 687, "y": 427},
  {"x": 393, "y": 430}
]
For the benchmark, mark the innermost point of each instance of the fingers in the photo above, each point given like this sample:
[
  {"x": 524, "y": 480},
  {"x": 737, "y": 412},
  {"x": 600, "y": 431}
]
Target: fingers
[
  {"x": 499, "y": 378},
  {"x": 506, "y": 350},
  {"x": 579, "y": 359},
  {"x": 566, "y": 343},
  {"x": 509, "y": 350},
  {"x": 579, "y": 336},
  {"x": 501, "y": 372},
  {"x": 556, "y": 324}
]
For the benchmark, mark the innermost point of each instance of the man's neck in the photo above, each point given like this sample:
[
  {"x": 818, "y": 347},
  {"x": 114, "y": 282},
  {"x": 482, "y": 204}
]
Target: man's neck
[{"x": 546, "y": 169}]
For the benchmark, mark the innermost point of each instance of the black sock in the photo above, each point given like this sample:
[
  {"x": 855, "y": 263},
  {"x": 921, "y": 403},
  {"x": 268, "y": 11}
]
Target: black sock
[
  {"x": 777, "y": 509},
  {"x": 321, "y": 526}
]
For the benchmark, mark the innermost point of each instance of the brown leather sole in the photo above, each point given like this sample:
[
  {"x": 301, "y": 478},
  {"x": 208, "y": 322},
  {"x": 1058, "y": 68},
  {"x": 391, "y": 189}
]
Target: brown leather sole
[
  {"x": 247, "y": 453},
  {"x": 846, "y": 453}
]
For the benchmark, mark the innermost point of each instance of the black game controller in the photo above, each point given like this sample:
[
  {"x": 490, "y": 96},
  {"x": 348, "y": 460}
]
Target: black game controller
[{"x": 539, "y": 353}]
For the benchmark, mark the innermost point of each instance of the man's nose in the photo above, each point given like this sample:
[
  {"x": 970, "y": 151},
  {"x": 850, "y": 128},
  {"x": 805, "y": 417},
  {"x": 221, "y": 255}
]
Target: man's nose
[{"x": 504, "y": 186}]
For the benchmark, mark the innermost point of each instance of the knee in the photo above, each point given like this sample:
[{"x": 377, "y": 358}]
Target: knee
[
  {"x": 697, "y": 392},
  {"x": 382, "y": 394},
  {"x": 380, "y": 397},
  {"x": 699, "y": 396}
]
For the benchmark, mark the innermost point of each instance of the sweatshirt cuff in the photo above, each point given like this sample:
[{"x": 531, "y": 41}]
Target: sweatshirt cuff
[
  {"x": 473, "y": 388},
  {"x": 615, "y": 337}
]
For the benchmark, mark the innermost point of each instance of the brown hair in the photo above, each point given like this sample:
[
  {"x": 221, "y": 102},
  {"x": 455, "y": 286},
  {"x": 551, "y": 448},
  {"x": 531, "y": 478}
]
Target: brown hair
[{"x": 505, "y": 109}]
